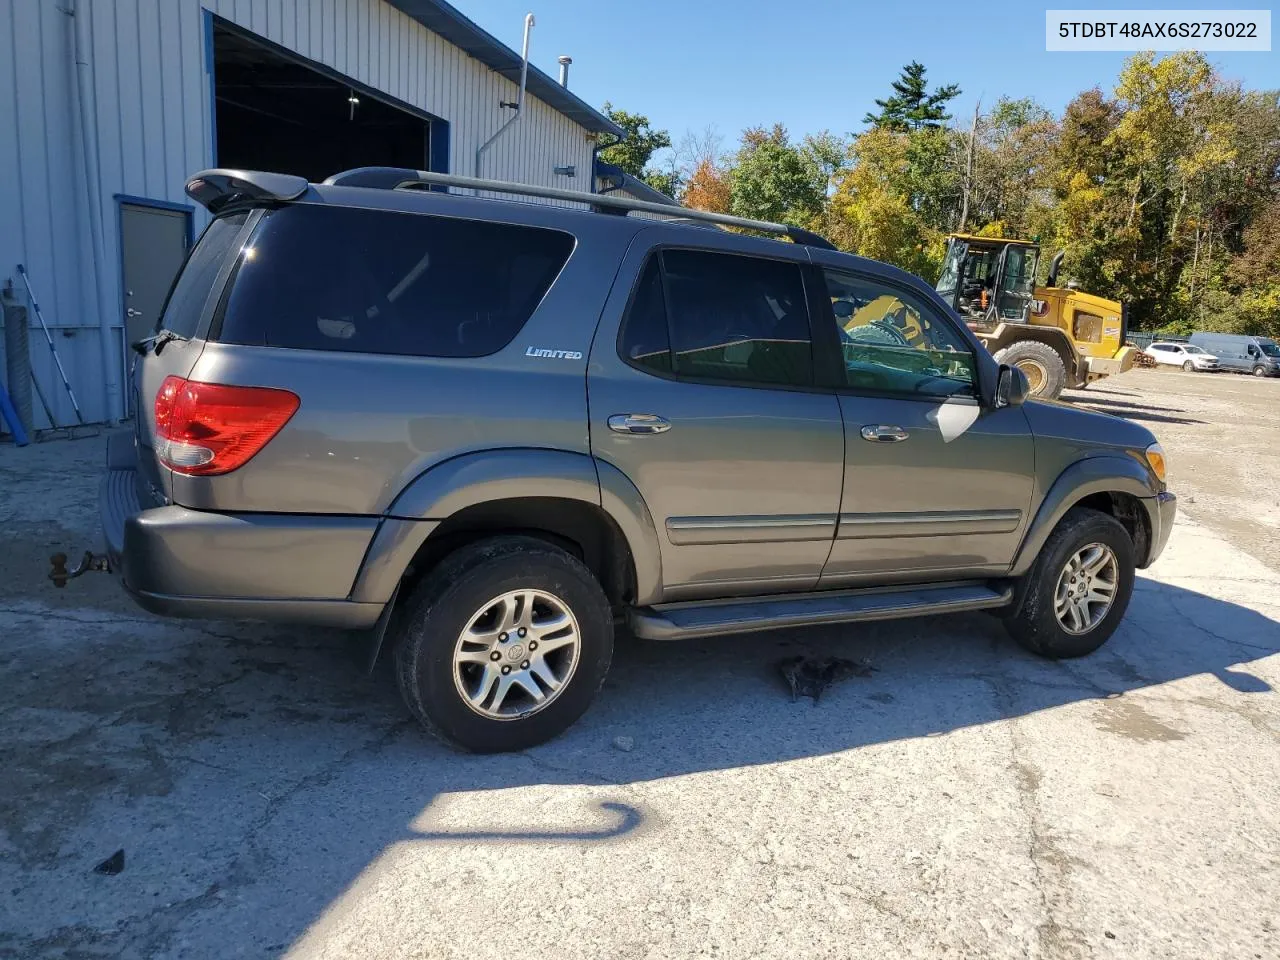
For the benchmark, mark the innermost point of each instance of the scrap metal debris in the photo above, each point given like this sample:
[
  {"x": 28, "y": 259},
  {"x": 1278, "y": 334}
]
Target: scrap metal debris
[
  {"x": 811, "y": 676},
  {"x": 112, "y": 865}
]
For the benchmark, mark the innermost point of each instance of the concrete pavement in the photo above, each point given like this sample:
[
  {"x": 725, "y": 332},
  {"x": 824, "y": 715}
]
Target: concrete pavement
[{"x": 966, "y": 800}]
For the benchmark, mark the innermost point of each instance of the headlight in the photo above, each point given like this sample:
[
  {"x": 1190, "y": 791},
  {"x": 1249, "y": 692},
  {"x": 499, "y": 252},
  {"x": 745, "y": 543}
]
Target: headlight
[{"x": 1155, "y": 460}]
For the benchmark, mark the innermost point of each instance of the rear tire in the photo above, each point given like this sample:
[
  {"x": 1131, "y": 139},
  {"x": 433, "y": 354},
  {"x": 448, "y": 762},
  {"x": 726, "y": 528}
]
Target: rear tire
[
  {"x": 1188, "y": 367},
  {"x": 476, "y": 686},
  {"x": 1042, "y": 365},
  {"x": 1044, "y": 623}
]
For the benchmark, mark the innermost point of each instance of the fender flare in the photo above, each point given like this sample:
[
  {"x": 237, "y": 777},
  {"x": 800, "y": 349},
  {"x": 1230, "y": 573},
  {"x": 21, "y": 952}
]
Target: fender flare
[
  {"x": 1106, "y": 473},
  {"x": 484, "y": 476}
]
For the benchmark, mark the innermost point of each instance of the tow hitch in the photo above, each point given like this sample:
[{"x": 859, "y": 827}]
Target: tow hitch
[{"x": 89, "y": 562}]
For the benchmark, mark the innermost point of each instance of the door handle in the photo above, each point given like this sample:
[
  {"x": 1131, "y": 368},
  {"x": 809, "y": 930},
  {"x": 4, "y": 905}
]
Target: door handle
[
  {"x": 638, "y": 423},
  {"x": 133, "y": 313},
  {"x": 879, "y": 433}
]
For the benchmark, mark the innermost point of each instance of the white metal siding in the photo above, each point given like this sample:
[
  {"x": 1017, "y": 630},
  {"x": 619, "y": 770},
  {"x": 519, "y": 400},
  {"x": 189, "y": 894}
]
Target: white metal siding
[{"x": 152, "y": 109}]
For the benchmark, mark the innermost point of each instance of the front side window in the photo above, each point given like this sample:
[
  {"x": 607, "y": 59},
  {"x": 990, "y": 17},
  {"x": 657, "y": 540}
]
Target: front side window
[
  {"x": 373, "y": 281},
  {"x": 894, "y": 344},
  {"x": 716, "y": 316}
]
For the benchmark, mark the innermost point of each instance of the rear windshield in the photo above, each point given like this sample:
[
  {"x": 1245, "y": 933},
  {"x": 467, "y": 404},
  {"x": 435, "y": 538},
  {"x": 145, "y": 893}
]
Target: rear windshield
[
  {"x": 371, "y": 281},
  {"x": 181, "y": 314}
]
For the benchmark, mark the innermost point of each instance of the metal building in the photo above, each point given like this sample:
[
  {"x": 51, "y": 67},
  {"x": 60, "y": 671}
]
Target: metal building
[{"x": 107, "y": 106}]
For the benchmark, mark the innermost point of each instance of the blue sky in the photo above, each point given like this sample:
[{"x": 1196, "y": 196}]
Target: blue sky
[{"x": 810, "y": 64}]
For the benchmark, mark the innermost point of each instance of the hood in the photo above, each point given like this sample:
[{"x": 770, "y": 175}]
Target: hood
[{"x": 1084, "y": 430}]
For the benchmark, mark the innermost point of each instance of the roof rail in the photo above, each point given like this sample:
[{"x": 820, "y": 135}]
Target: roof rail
[{"x": 391, "y": 178}]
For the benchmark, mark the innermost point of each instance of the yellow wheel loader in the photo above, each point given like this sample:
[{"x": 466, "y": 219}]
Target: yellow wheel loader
[{"x": 1058, "y": 336}]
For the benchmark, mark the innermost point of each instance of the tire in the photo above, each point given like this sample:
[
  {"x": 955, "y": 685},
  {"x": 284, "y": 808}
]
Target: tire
[
  {"x": 450, "y": 599},
  {"x": 1188, "y": 367},
  {"x": 1260, "y": 371},
  {"x": 1042, "y": 365},
  {"x": 1036, "y": 625}
]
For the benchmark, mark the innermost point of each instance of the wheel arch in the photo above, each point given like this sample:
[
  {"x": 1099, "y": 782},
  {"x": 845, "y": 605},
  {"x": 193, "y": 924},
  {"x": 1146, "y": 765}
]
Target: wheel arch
[
  {"x": 1114, "y": 484},
  {"x": 589, "y": 508}
]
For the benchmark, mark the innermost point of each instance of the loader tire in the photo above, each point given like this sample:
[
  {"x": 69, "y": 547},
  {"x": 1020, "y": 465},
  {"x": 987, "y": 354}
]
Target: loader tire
[{"x": 1042, "y": 365}]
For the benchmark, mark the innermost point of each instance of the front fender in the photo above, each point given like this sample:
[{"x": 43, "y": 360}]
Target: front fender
[
  {"x": 490, "y": 475},
  {"x": 1107, "y": 473}
]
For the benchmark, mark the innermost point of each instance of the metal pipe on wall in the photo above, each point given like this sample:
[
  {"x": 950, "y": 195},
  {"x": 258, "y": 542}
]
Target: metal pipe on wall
[
  {"x": 519, "y": 104},
  {"x": 79, "y": 11}
]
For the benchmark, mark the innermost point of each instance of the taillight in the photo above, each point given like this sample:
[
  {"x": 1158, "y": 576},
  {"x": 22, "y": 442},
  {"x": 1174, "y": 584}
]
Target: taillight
[{"x": 204, "y": 429}]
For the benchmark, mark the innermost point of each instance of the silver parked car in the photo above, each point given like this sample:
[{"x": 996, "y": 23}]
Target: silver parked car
[{"x": 488, "y": 431}]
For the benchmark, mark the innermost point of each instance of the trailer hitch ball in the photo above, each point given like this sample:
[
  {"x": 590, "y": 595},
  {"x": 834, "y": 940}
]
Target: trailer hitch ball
[{"x": 59, "y": 573}]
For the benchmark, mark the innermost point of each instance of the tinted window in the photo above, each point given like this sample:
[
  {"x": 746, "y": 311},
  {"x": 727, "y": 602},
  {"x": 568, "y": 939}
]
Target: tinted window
[
  {"x": 892, "y": 343},
  {"x": 368, "y": 281},
  {"x": 737, "y": 318},
  {"x": 182, "y": 310},
  {"x": 645, "y": 340}
]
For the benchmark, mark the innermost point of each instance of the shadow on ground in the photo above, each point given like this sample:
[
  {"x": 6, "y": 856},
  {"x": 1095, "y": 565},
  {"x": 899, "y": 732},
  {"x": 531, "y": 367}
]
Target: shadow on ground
[{"x": 253, "y": 773}]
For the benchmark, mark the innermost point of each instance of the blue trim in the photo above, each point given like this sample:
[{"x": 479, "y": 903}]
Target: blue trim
[
  {"x": 439, "y": 160},
  {"x": 213, "y": 93},
  {"x": 441, "y": 18}
]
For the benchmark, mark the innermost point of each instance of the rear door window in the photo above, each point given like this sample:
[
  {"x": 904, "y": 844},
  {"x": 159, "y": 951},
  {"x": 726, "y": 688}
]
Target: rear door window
[
  {"x": 372, "y": 281},
  {"x": 194, "y": 283}
]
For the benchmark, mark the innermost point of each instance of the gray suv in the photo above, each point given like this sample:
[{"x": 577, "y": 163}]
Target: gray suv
[{"x": 489, "y": 431}]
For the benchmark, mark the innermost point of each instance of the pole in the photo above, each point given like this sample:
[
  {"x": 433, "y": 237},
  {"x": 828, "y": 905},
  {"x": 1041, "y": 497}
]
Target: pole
[{"x": 22, "y": 272}]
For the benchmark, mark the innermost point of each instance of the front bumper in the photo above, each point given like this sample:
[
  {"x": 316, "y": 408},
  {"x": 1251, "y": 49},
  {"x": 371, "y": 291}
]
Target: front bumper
[
  {"x": 193, "y": 563},
  {"x": 1161, "y": 511}
]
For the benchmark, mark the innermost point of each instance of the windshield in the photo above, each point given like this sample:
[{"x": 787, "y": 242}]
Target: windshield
[
  {"x": 950, "y": 271},
  {"x": 1191, "y": 349},
  {"x": 1269, "y": 348}
]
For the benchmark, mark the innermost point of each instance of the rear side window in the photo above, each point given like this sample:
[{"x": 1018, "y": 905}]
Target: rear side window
[
  {"x": 723, "y": 317},
  {"x": 371, "y": 281},
  {"x": 181, "y": 314}
]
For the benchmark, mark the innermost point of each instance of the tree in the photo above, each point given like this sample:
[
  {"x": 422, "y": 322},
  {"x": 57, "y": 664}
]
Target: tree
[
  {"x": 633, "y": 151},
  {"x": 708, "y": 188},
  {"x": 912, "y": 106},
  {"x": 773, "y": 179}
]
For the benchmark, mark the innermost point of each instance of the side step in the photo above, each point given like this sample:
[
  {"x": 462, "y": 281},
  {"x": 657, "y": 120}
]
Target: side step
[{"x": 713, "y": 618}]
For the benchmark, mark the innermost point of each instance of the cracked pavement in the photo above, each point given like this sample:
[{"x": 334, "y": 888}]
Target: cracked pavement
[{"x": 965, "y": 800}]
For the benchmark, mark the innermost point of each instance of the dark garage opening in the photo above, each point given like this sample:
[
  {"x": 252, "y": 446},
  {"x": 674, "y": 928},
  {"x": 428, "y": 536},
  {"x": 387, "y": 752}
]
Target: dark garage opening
[{"x": 276, "y": 113}]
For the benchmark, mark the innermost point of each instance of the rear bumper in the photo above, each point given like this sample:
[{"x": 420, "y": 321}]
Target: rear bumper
[
  {"x": 1161, "y": 511},
  {"x": 192, "y": 563}
]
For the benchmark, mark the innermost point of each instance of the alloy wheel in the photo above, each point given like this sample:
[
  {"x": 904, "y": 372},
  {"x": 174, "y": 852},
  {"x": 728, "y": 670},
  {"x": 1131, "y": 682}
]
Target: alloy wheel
[{"x": 516, "y": 654}]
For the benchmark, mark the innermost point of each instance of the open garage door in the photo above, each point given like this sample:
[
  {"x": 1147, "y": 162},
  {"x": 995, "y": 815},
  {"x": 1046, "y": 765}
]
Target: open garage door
[{"x": 276, "y": 111}]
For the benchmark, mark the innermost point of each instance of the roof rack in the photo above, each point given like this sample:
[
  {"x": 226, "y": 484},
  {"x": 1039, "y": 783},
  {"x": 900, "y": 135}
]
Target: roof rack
[{"x": 391, "y": 178}]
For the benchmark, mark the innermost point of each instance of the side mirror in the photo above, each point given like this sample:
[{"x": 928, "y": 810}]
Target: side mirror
[{"x": 1012, "y": 387}]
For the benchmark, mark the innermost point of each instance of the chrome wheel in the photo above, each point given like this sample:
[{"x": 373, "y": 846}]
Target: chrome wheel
[
  {"x": 516, "y": 654},
  {"x": 1086, "y": 588}
]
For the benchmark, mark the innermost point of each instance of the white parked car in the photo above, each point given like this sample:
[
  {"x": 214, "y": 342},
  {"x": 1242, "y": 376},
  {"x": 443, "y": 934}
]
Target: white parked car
[{"x": 1185, "y": 355}]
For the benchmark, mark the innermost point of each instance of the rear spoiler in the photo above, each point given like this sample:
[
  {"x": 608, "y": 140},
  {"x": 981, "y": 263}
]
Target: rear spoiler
[{"x": 215, "y": 190}]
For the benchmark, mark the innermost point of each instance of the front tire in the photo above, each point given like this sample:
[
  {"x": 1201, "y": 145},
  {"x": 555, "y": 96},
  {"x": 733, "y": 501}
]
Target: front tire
[
  {"x": 1045, "y": 371},
  {"x": 1259, "y": 371},
  {"x": 1188, "y": 367},
  {"x": 1078, "y": 589},
  {"x": 504, "y": 645}
]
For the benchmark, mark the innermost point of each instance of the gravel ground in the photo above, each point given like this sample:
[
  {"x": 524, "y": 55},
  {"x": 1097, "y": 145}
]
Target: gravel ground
[
  {"x": 965, "y": 800},
  {"x": 1222, "y": 434}
]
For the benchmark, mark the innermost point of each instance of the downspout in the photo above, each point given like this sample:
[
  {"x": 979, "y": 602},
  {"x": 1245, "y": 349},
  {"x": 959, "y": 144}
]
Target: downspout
[
  {"x": 519, "y": 104},
  {"x": 88, "y": 140}
]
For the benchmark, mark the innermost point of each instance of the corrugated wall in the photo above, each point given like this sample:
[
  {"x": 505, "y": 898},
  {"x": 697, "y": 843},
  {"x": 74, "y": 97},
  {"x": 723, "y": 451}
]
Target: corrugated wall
[{"x": 152, "y": 109}]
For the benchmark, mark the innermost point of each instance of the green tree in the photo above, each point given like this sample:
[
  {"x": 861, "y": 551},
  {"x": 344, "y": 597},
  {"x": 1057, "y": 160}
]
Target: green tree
[
  {"x": 633, "y": 151},
  {"x": 773, "y": 179},
  {"x": 911, "y": 106}
]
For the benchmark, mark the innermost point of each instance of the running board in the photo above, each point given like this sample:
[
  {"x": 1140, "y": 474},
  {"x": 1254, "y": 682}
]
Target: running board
[{"x": 713, "y": 618}]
